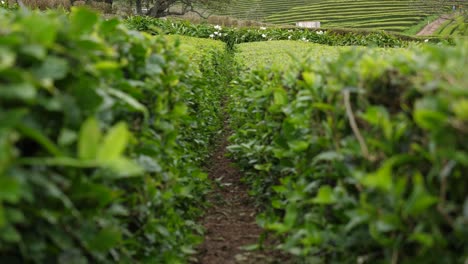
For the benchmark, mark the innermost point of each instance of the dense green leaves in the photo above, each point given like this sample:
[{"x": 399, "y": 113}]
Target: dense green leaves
[
  {"x": 85, "y": 104},
  {"x": 386, "y": 188}
]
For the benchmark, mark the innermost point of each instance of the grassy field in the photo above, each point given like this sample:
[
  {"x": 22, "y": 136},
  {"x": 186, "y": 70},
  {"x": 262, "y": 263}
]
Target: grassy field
[{"x": 391, "y": 15}]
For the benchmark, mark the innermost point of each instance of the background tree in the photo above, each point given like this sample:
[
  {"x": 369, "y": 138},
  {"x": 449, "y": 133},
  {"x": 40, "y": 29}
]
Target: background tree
[{"x": 161, "y": 8}]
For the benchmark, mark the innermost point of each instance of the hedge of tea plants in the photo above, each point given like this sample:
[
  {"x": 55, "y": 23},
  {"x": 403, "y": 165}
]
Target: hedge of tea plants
[
  {"x": 232, "y": 35},
  {"x": 362, "y": 159},
  {"x": 101, "y": 136}
]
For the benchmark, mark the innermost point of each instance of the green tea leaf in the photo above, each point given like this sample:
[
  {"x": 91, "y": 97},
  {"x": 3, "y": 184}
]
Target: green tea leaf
[
  {"x": 263, "y": 167},
  {"x": 324, "y": 196},
  {"x": 89, "y": 139},
  {"x": 18, "y": 91},
  {"x": 67, "y": 137},
  {"x": 423, "y": 238},
  {"x": 298, "y": 145},
  {"x": 106, "y": 239},
  {"x": 10, "y": 189},
  {"x": 327, "y": 156},
  {"x": 460, "y": 108},
  {"x": 123, "y": 167},
  {"x": 309, "y": 78},
  {"x": 34, "y": 50},
  {"x": 382, "y": 178},
  {"x": 53, "y": 67},
  {"x": 7, "y": 58},
  {"x": 291, "y": 215},
  {"x": 114, "y": 143},
  {"x": 109, "y": 27},
  {"x": 154, "y": 64},
  {"x": 429, "y": 119},
  {"x": 427, "y": 114},
  {"x": 322, "y": 106},
  {"x": 40, "y": 29},
  {"x": 280, "y": 97},
  {"x": 420, "y": 199},
  {"x": 129, "y": 100},
  {"x": 82, "y": 20}
]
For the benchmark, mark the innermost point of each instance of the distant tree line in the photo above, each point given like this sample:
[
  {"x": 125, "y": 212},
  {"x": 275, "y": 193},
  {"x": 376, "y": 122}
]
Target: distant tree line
[
  {"x": 161, "y": 8},
  {"x": 154, "y": 8}
]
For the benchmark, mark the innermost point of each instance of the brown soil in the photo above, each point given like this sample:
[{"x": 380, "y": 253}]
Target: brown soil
[
  {"x": 432, "y": 27},
  {"x": 230, "y": 221}
]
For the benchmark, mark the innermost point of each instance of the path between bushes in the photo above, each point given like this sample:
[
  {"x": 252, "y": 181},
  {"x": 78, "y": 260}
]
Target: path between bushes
[
  {"x": 431, "y": 28},
  {"x": 230, "y": 221}
]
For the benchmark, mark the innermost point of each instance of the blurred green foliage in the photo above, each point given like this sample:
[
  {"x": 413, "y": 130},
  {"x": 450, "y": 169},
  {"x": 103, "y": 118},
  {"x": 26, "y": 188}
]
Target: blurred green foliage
[{"x": 102, "y": 134}]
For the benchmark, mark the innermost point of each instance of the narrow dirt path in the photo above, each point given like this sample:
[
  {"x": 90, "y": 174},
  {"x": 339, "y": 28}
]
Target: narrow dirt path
[
  {"x": 433, "y": 26},
  {"x": 230, "y": 222}
]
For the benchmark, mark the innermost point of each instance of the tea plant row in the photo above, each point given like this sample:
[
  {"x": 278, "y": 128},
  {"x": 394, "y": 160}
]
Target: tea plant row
[
  {"x": 359, "y": 159},
  {"x": 102, "y": 134},
  {"x": 455, "y": 26},
  {"x": 233, "y": 35}
]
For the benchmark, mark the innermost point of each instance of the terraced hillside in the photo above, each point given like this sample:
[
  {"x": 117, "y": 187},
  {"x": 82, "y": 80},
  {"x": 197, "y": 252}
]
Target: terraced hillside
[
  {"x": 394, "y": 15},
  {"x": 259, "y": 9}
]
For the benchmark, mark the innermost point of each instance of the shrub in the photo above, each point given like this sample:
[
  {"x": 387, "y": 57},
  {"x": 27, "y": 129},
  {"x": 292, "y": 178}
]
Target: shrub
[
  {"x": 361, "y": 159},
  {"x": 92, "y": 161}
]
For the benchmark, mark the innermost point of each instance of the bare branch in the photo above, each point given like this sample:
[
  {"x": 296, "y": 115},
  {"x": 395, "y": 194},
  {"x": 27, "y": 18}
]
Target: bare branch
[{"x": 353, "y": 124}]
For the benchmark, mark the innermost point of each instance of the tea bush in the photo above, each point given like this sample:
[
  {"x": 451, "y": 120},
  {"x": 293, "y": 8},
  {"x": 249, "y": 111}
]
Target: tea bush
[
  {"x": 93, "y": 164},
  {"x": 260, "y": 54},
  {"x": 362, "y": 159}
]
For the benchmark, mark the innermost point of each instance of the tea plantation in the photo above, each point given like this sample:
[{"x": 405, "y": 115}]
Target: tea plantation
[
  {"x": 352, "y": 144},
  {"x": 391, "y": 15}
]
